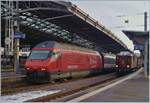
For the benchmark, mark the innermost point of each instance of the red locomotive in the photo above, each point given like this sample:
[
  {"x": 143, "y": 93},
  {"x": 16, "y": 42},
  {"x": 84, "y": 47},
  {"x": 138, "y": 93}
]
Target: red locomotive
[
  {"x": 126, "y": 62},
  {"x": 58, "y": 60}
]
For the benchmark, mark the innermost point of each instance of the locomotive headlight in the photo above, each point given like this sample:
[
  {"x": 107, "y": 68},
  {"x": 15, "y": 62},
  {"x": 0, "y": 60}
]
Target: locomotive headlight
[
  {"x": 128, "y": 66},
  {"x": 116, "y": 65},
  {"x": 28, "y": 68},
  {"x": 43, "y": 69}
]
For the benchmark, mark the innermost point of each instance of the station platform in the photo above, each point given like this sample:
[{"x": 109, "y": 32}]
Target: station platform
[
  {"x": 9, "y": 79},
  {"x": 7, "y": 75},
  {"x": 135, "y": 89}
]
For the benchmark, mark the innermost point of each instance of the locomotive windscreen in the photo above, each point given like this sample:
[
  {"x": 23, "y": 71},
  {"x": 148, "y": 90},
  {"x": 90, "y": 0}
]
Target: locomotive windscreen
[{"x": 39, "y": 54}]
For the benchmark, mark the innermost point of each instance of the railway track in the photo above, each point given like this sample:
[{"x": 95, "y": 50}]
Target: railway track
[
  {"x": 23, "y": 86},
  {"x": 62, "y": 91},
  {"x": 65, "y": 91},
  {"x": 16, "y": 85},
  {"x": 11, "y": 79},
  {"x": 84, "y": 91},
  {"x": 74, "y": 87}
]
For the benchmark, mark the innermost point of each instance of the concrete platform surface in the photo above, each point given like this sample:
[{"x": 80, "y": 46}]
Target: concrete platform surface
[{"x": 135, "y": 89}]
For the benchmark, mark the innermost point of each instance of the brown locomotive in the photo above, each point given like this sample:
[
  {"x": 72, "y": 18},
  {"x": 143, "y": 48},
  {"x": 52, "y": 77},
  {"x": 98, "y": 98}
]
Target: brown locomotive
[{"x": 127, "y": 61}]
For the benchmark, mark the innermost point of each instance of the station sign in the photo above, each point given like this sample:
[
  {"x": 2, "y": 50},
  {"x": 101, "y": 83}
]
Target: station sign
[
  {"x": 138, "y": 47},
  {"x": 19, "y": 35}
]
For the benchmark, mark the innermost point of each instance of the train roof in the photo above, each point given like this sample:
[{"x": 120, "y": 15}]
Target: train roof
[
  {"x": 109, "y": 55},
  {"x": 59, "y": 45},
  {"x": 125, "y": 53}
]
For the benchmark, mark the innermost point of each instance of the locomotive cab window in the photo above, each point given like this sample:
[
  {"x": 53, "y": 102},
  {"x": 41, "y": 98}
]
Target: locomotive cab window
[
  {"x": 43, "y": 55},
  {"x": 39, "y": 54}
]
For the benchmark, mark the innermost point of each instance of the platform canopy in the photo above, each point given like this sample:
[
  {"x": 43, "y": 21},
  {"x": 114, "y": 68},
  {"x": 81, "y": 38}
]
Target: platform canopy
[
  {"x": 138, "y": 37},
  {"x": 60, "y": 21}
]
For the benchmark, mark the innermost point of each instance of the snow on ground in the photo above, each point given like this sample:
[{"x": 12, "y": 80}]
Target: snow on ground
[{"x": 20, "y": 97}]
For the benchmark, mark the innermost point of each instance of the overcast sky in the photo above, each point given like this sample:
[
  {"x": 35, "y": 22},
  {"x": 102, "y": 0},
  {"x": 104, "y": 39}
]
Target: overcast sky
[{"x": 113, "y": 14}]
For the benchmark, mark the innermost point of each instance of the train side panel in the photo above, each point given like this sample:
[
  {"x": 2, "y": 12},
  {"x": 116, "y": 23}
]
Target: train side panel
[
  {"x": 76, "y": 64},
  {"x": 76, "y": 61}
]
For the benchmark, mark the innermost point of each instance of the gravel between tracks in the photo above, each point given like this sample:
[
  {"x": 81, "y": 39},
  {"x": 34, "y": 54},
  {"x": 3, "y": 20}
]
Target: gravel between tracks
[
  {"x": 42, "y": 92},
  {"x": 72, "y": 87},
  {"x": 20, "y": 97}
]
